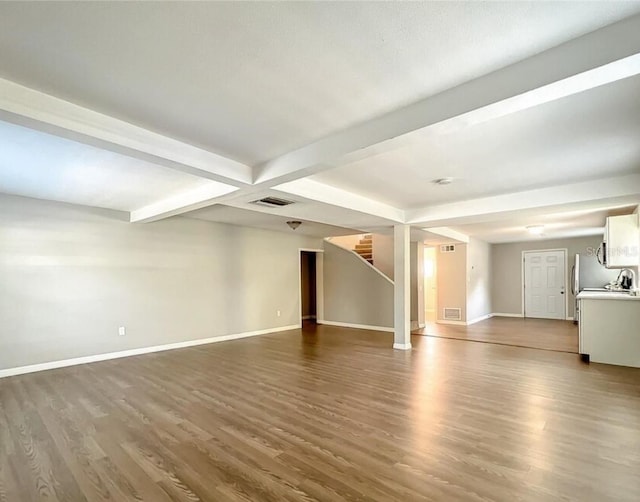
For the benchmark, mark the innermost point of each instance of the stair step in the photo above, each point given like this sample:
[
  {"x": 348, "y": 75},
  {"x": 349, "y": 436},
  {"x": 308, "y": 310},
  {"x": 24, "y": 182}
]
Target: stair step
[
  {"x": 368, "y": 236},
  {"x": 363, "y": 246},
  {"x": 366, "y": 256},
  {"x": 366, "y": 241}
]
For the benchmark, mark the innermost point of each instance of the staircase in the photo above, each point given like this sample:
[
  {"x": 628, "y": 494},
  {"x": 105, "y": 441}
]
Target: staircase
[{"x": 365, "y": 248}]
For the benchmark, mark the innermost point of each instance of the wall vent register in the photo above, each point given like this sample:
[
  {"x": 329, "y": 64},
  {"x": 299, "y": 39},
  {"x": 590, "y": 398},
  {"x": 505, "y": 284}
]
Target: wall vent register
[
  {"x": 448, "y": 248},
  {"x": 452, "y": 314},
  {"x": 272, "y": 202}
]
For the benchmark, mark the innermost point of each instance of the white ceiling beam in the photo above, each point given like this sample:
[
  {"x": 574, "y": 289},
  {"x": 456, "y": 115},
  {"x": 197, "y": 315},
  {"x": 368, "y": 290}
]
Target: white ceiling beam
[
  {"x": 36, "y": 110},
  {"x": 595, "y": 59},
  {"x": 622, "y": 189},
  {"x": 448, "y": 233},
  {"x": 191, "y": 200},
  {"x": 327, "y": 194}
]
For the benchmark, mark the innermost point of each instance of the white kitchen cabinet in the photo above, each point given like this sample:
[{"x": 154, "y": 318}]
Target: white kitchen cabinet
[
  {"x": 622, "y": 238},
  {"x": 608, "y": 324}
]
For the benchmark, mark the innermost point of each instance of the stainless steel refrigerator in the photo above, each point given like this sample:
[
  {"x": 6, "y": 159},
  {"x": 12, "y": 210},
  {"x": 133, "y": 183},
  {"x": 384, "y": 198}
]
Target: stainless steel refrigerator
[{"x": 587, "y": 273}]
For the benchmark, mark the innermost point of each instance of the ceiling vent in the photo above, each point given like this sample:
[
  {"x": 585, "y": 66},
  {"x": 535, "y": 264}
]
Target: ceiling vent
[
  {"x": 452, "y": 314},
  {"x": 448, "y": 248},
  {"x": 272, "y": 202}
]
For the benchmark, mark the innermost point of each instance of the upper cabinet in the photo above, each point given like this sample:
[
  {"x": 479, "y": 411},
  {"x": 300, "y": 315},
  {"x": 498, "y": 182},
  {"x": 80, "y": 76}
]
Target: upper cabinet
[{"x": 622, "y": 241}]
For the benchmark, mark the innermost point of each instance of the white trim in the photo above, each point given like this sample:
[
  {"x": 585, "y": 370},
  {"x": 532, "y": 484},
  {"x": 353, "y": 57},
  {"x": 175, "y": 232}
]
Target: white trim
[
  {"x": 506, "y": 314},
  {"x": 472, "y": 321},
  {"x": 478, "y": 319},
  {"x": 454, "y": 323},
  {"x": 355, "y": 326},
  {"x": 402, "y": 346},
  {"x": 570, "y": 319},
  {"x": 566, "y": 278},
  {"x": 21, "y": 370},
  {"x": 361, "y": 259}
]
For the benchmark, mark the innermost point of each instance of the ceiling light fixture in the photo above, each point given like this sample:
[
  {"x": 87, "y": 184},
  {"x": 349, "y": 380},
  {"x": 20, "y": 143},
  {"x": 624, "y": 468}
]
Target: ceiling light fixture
[
  {"x": 443, "y": 181},
  {"x": 293, "y": 224},
  {"x": 535, "y": 229}
]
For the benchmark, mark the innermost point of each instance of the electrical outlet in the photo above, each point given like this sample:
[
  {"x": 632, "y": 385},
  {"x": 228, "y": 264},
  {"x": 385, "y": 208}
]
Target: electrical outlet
[
  {"x": 122, "y": 331},
  {"x": 278, "y": 313}
]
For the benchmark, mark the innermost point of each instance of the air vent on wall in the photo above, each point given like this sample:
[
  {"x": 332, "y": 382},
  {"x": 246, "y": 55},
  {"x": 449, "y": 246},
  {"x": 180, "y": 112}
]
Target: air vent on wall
[
  {"x": 452, "y": 314},
  {"x": 272, "y": 202},
  {"x": 448, "y": 248}
]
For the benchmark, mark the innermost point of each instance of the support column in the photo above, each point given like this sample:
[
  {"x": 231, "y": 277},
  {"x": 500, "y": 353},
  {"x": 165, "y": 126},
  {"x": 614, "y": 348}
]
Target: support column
[{"x": 402, "y": 288}]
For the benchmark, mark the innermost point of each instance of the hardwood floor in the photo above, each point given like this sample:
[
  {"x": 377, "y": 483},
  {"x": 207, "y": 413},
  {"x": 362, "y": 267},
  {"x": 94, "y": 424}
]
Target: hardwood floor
[
  {"x": 543, "y": 334},
  {"x": 327, "y": 414}
]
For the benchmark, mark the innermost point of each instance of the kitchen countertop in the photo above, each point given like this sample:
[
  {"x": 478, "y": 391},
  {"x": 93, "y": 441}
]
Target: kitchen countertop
[{"x": 605, "y": 295}]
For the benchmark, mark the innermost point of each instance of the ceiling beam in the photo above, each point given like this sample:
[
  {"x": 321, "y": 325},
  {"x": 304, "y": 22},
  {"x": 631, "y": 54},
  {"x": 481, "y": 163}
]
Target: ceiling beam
[
  {"x": 328, "y": 194},
  {"x": 191, "y": 200},
  {"x": 30, "y": 108},
  {"x": 448, "y": 233},
  {"x": 622, "y": 189},
  {"x": 595, "y": 59},
  {"x": 598, "y": 58}
]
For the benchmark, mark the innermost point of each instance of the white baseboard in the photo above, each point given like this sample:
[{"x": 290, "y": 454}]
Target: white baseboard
[
  {"x": 356, "y": 326},
  {"x": 502, "y": 314},
  {"x": 21, "y": 370},
  {"x": 402, "y": 346},
  {"x": 454, "y": 323},
  {"x": 570, "y": 319},
  {"x": 465, "y": 323},
  {"x": 478, "y": 319}
]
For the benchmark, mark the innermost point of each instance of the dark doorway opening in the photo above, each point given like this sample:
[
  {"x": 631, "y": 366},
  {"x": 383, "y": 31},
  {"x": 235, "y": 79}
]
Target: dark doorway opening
[{"x": 308, "y": 283}]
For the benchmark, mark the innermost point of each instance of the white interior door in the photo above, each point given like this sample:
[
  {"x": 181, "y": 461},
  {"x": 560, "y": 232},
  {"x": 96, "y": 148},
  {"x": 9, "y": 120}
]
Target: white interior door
[{"x": 544, "y": 284}]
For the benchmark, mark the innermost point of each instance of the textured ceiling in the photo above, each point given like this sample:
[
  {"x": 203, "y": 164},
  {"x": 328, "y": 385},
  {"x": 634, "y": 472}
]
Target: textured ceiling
[
  {"x": 35, "y": 164},
  {"x": 589, "y": 135},
  {"x": 556, "y": 225},
  {"x": 255, "y": 80}
]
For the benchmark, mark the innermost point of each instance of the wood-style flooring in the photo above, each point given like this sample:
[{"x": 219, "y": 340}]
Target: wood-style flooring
[
  {"x": 326, "y": 414},
  {"x": 543, "y": 334}
]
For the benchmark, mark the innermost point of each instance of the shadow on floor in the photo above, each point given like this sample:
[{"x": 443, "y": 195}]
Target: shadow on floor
[{"x": 545, "y": 334}]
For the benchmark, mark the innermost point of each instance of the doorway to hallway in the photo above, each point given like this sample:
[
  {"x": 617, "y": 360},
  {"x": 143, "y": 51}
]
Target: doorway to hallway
[
  {"x": 430, "y": 285},
  {"x": 311, "y": 288}
]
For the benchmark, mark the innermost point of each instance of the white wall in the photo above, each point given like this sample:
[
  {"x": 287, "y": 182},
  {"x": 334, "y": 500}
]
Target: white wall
[
  {"x": 506, "y": 272},
  {"x": 416, "y": 256},
  {"x": 478, "y": 279},
  {"x": 452, "y": 281},
  {"x": 430, "y": 284},
  {"x": 70, "y": 276},
  {"x": 347, "y": 241},
  {"x": 354, "y": 292},
  {"x": 383, "y": 254}
]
